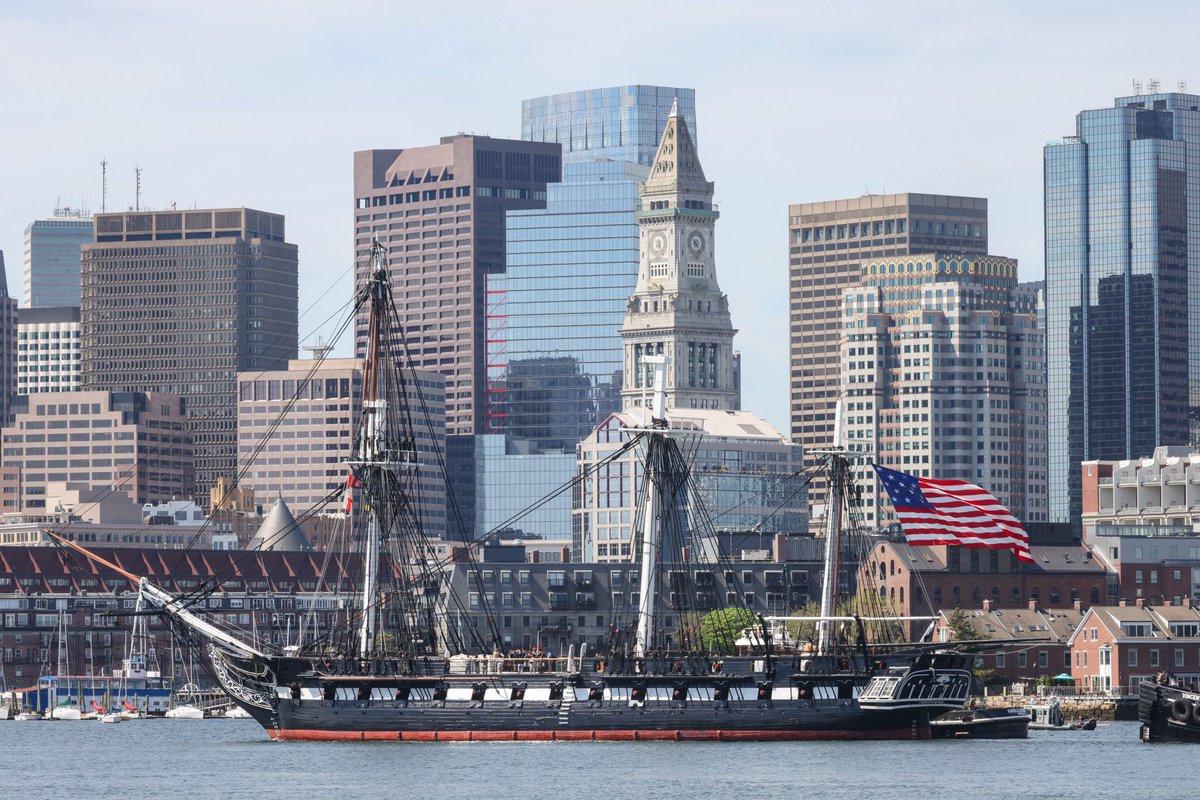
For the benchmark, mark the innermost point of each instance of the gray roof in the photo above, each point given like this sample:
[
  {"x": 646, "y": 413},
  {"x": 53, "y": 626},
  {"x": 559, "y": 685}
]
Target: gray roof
[{"x": 279, "y": 531}]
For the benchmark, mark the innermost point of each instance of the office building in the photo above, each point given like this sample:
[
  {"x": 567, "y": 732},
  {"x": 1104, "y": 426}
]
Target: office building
[
  {"x": 828, "y": 241},
  {"x": 295, "y": 429},
  {"x": 181, "y": 302},
  {"x": 677, "y": 308},
  {"x": 555, "y": 368},
  {"x": 943, "y": 376},
  {"x": 8, "y": 345},
  {"x": 53, "y": 248},
  {"x": 1121, "y": 250},
  {"x": 745, "y": 476},
  {"x": 440, "y": 211},
  {"x": 48, "y": 349},
  {"x": 135, "y": 443}
]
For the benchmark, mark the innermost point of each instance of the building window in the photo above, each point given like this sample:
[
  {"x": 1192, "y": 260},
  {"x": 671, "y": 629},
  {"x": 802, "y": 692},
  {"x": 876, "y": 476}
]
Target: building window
[
  {"x": 1132, "y": 657},
  {"x": 1154, "y": 658}
]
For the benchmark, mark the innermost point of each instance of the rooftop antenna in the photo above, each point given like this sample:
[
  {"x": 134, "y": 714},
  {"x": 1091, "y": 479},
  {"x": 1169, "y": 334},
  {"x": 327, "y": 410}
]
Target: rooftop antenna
[
  {"x": 103, "y": 185},
  {"x": 1137, "y": 87},
  {"x": 320, "y": 349},
  {"x": 1182, "y": 85},
  {"x": 1152, "y": 85},
  {"x": 137, "y": 197}
]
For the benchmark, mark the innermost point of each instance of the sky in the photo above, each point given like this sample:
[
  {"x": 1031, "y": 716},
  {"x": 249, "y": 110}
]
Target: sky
[{"x": 260, "y": 103}]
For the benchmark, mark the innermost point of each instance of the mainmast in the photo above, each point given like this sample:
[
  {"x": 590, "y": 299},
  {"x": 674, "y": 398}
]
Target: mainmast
[
  {"x": 651, "y": 525},
  {"x": 373, "y": 457},
  {"x": 839, "y": 474}
]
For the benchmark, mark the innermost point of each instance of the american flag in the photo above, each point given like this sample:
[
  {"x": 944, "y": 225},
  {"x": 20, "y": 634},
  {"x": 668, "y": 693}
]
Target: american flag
[{"x": 952, "y": 512}]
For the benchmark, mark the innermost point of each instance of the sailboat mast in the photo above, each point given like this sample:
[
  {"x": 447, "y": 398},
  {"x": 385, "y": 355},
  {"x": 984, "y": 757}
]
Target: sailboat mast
[
  {"x": 833, "y": 535},
  {"x": 372, "y": 443},
  {"x": 651, "y": 528}
]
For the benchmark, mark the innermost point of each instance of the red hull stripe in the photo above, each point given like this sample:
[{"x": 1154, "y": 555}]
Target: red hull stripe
[{"x": 597, "y": 735}]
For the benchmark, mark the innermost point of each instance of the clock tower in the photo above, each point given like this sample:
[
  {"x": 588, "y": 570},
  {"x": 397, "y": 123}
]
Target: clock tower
[{"x": 677, "y": 308}]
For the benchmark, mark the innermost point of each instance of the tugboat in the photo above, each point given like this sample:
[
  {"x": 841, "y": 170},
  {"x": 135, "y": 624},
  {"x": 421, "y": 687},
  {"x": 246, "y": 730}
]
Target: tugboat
[
  {"x": 387, "y": 674},
  {"x": 1168, "y": 713}
]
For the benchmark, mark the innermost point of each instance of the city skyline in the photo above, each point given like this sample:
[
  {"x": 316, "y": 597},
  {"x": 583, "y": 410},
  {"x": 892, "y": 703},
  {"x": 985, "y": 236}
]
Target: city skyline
[{"x": 854, "y": 86}]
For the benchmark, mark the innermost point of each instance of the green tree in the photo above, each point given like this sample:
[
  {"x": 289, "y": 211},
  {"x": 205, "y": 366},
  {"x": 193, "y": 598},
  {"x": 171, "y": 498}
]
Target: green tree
[
  {"x": 961, "y": 628},
  {"x": 720, "y": 629}
]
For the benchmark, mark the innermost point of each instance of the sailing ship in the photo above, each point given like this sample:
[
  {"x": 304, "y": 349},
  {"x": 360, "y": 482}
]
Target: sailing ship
[{"x": 387, "y": 673}]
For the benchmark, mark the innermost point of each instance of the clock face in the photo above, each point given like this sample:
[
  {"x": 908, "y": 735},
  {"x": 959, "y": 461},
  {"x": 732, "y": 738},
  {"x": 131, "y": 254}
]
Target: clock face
[
  {"x": 658, "y": 243},
  {"x": 696, "y": 243}
]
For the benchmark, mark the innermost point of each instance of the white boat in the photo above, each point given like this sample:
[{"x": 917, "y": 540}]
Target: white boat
[
  {"x": 28, "y": 716},
  {"x": 111, "y": 716},
  {"x": 186, "y": 711},
  {"x": 237, "y": 712},
  {"x": 64, "y": 712}
]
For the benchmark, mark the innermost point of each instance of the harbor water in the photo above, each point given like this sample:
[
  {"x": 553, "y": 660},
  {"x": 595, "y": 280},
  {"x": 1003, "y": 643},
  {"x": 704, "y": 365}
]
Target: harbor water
[{"x": 220, "y": 759}]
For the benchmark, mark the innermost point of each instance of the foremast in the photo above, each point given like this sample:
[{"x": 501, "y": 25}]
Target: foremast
[{"x": 651, "y": 524}]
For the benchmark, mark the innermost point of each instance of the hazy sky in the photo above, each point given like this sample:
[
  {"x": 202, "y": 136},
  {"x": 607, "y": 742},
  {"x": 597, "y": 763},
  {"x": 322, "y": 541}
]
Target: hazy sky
[{"x": 261, "y": 104}]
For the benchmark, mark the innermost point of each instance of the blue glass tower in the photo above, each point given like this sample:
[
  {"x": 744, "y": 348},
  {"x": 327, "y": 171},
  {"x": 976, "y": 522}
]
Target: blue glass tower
[
  {"x": 1122, "y": 307},
  {"x": 554, "y": 349},
  {"x": 52, "y": 258},
  {"x": 554, "y": 352}
]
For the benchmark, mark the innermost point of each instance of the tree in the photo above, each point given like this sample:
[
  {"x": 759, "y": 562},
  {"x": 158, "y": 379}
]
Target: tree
[
  {"x": 720, "y": 629},
  {"x": 960, "y": 626}
]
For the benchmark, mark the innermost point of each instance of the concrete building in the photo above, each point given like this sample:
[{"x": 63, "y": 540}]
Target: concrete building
[
  {"x": 677, "y": 308},
  {"x": 1115, "y": 648},
  {"x": 943, "y": 374},
  {"x": 135, "y": 443},
  {"x": 828, "y": 242},
  {"x": 1141, "y": 517},
  {"x": 921, "y": 581},
  {"x": 440, "y": 210},
  {"x": 295, "y": 430},
  {"x": 743, "y": 470},
  {"x": 1122, "y": 241},
  {"x": 52, "y": 258},
  {"x": 48, "y": 349},
  {"x": 181, "y": 302},
  {"x": 8, "y": 346},
  {"x": 101, "y": 517}
]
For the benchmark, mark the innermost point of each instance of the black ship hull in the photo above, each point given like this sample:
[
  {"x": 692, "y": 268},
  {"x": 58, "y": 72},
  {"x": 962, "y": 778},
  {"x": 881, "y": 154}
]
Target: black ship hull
[
  {"x": 993, "y": 723},
  {"x": 1168, "y": 714},
  {"x": 306, "y": 705}
]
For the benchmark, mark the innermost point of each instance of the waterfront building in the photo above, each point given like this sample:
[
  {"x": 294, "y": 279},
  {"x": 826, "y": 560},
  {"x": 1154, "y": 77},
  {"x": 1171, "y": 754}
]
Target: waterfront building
[
  {"x": 53, "y": 248},
  {"x": 827, "y": 243},
  {"x": 181, "y": 302},
  {"x": 300, "y": 456},
  {"x": 943, "y": 376},
  {"x": 1120, "y": 236},
  {"x": 1032, "y": 641},
  {"x": 135, "y": 443},
  {"x": 1115, "y": 648},
  {"x": 1141, "y": 517},
  {"x": 270, "y": 592},
  {"x": 745, "y": 474},
  {"x": 921, "y": 581},
  {"x": 101, "y": 517},
  {"x": 440, "y": 211},
  {"x": 677, "y": 308},
  {"x": 8, "y": 347},
  {"x": 556, "y": 606},
  {"x": 48, "y": 349}
]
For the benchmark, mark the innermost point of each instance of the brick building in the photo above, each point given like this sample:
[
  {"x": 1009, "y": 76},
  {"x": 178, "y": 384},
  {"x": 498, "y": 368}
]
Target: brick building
[{"x": 1116, "y": 647}]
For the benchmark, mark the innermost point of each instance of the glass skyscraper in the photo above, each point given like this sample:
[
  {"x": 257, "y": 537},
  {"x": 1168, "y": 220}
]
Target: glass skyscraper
[
  {"x": 52, "y": 257},
  {"x": 553, "y": 316},
  {"x": 1123, "y": 309},
  {"x": 554, "y": 350}
]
